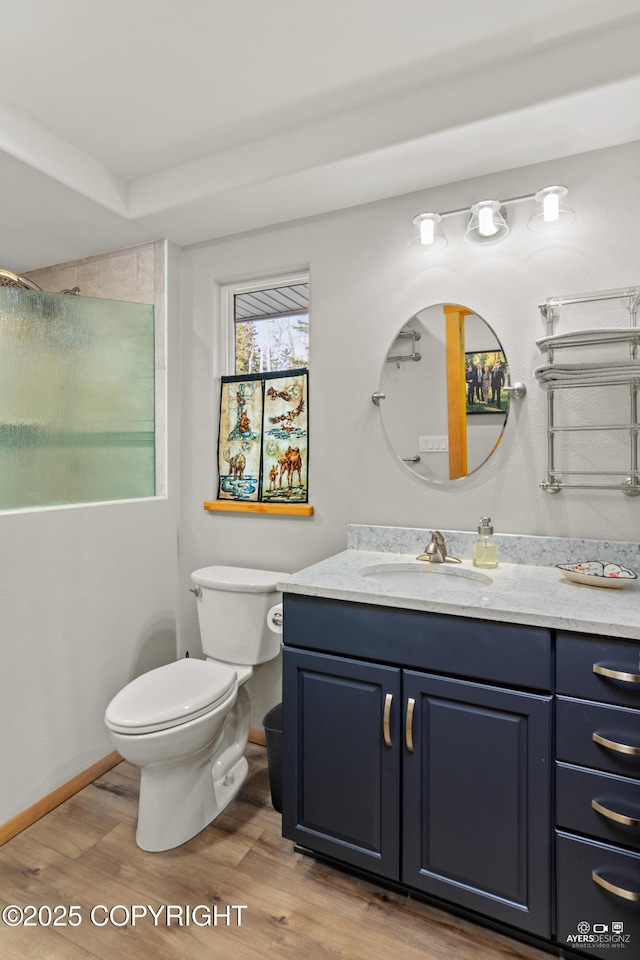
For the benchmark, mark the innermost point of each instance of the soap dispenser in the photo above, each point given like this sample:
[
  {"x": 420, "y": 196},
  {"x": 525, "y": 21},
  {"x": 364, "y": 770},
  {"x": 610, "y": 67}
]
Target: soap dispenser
[{"x": 485, "y": 549}]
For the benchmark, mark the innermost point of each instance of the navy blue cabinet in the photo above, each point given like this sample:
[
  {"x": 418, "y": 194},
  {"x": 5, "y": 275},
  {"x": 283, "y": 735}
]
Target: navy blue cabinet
[
  {"x": 598, "y": 793},
  {"x": 398, "y": 762}
]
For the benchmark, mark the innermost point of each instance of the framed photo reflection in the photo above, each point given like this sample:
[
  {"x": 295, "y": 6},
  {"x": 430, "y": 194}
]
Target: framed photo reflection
[{"x": 485, "y": 377}]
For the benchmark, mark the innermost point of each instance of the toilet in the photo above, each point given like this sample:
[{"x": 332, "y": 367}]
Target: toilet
[{"x": 186, "y": 724}]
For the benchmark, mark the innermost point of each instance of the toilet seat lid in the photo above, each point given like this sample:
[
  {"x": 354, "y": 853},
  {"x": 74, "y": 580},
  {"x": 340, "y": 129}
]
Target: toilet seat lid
[{"x": 170, "y": 695}]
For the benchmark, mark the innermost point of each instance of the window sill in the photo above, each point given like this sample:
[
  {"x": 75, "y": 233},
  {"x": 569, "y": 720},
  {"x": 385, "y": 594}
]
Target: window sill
[{"x": 241, "y": 506}]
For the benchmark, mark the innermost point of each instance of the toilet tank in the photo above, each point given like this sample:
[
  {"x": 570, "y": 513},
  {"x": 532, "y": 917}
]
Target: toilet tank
[{"x": 232, "y": 612}]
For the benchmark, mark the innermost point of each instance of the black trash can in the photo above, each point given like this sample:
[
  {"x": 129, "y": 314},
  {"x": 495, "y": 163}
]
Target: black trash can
[{"x": 273, "y": 730}]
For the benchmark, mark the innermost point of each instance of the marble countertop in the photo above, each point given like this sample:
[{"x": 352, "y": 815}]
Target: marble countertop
[{"x": 536, "y": 594}]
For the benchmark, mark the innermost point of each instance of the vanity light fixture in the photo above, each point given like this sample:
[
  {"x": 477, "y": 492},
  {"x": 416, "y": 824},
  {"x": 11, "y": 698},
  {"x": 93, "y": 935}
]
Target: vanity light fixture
[
  {"x": 431, "y": 233},
  {"x": 552, "y": 212},
  {"x": 487, "y": 223},
  {"x": 488, "y": 218}
]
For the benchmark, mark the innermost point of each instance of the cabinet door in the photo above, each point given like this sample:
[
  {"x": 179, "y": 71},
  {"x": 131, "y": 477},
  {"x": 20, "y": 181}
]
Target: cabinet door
[
  {"x": 476, "y": 809},
  {"x": 341, "y": 759}
]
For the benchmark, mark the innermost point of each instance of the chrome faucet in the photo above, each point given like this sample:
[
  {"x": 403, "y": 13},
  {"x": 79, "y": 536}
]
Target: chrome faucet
[{"x": 436, "y": 550}]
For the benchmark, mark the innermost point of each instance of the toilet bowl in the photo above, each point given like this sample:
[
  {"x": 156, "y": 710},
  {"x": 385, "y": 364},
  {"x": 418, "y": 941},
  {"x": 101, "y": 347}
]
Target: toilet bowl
[{"x": 186, "y": 724}]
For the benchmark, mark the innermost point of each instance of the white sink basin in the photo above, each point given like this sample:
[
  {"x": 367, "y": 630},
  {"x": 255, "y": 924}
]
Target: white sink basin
[{"x": 415, "y": 574}]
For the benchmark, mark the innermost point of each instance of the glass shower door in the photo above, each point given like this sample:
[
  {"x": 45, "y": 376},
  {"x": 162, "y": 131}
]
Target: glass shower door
[{"x": 77, "y": 399}]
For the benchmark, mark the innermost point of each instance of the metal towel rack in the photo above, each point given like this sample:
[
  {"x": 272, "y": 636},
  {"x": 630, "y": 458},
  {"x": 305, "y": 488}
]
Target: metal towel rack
[
  {"x": 407, "y": 333},
  {"x": 616, "y": 372}
]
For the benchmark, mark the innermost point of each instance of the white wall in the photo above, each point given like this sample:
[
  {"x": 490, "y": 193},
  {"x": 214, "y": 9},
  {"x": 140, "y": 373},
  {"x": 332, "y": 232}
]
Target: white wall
[
  {"x": 367, "y": 279},
  {"x": 87, "y": 601}
]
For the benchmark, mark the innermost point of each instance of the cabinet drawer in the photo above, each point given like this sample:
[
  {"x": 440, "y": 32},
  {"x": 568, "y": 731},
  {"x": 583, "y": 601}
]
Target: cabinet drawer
[
  {"x": 617, "y": 729},
  {"x": 588, "y": 909},
  {"x": 502, "y": 653},
  {"x": 599, "y": 668},
  {"x": 616, "y": 816}
]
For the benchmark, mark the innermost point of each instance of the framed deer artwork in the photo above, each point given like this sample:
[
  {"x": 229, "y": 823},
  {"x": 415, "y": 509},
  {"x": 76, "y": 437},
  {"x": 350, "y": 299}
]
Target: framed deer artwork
[{"x": 263, "y": 448}]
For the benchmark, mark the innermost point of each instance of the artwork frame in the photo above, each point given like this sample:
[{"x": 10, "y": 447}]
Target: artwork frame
[
  {"x": 495, "y": 401},
  {"x": 263, "y": 437}
]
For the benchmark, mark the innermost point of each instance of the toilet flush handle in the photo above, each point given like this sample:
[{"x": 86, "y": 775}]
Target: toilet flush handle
[
  {"x": 276, "y": 618},
  {"x": 196, "y": 590}
]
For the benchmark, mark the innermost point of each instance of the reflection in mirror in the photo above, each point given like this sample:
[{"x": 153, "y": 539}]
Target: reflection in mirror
[{"x": 445, "y": 407}]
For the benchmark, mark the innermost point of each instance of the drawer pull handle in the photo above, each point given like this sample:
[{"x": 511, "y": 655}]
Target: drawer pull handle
[
  {"x": 613, "y": 888},
  {"x": 614, "y": 745},
  {"x": 603, "y": 671},
  {"x": 612, "y": 815},
  {"x": 386, "y": 728},
  {"x": 408, "y": 729}
]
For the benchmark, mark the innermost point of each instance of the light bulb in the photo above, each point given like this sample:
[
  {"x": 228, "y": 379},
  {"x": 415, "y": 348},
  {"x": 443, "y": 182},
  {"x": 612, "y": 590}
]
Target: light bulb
[
  {"x": 551, "y": 207},
  {"x": 426, "y": 231},
  {"x": 486, "y": 225}
]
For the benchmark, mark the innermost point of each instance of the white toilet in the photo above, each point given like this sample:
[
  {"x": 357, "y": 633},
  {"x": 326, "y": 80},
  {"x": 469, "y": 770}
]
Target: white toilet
[{"x": 186, "y": 724}]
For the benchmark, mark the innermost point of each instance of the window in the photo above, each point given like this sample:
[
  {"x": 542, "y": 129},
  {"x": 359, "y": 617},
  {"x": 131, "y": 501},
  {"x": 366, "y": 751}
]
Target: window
[{"x": 268, "y": 324}]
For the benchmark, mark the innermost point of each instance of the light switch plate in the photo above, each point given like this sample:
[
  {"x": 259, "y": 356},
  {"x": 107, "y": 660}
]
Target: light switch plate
[{"x": 434, "y": 444}]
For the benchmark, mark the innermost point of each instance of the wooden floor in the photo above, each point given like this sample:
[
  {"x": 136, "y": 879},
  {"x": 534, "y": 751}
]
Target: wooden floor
[{"x": 84, "y": 854}]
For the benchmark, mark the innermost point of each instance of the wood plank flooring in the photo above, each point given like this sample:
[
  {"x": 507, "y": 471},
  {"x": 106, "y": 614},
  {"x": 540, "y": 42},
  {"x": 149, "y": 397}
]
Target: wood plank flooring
[{"x": 83, "y": 854}]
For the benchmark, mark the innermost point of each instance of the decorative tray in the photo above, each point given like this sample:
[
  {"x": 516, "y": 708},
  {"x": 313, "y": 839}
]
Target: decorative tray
[{"x": 596, "y": 573}]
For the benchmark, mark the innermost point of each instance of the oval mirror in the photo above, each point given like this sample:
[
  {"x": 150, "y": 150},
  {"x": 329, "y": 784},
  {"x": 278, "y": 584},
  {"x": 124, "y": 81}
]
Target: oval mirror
[{"x": 445, "y": 408}]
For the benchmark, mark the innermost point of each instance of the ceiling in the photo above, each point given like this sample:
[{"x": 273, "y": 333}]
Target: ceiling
[{"x": 126, "y": 121}]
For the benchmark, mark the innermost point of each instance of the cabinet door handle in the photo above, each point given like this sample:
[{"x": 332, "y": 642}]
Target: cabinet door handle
[
  {"x": 614, "y": 745},
  {"x": 386, "y": 726},
  {"x": 613, "y": 888},
  {"x": 613, "y": 674},
  {"x": 408, "y": 728},
  {"x": 612, "y": 815}
]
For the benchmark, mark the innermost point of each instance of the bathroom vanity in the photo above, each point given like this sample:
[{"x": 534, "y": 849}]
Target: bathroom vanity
[{"x": 474, "y": 742}]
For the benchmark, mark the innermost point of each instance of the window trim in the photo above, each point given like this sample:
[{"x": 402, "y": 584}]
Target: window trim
[{"x": 228, "y": 292}]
